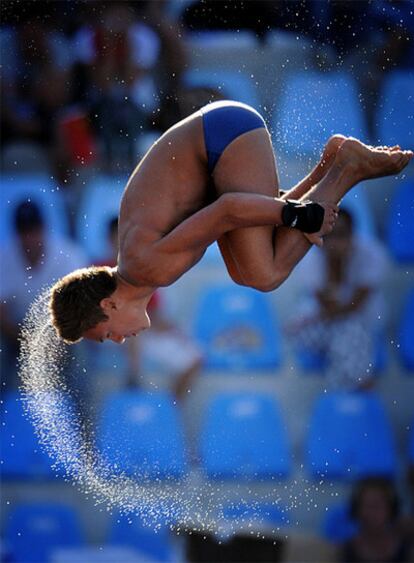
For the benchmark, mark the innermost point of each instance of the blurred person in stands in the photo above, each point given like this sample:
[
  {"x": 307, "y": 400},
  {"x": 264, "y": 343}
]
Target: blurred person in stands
[
  {"x": 36, "y": 45},
  {"x": 375, "y": 507},
  {"x": 164, "y": 348},
  {"x": 167, "y": 350},
  {"x": 343, "y": 309},
  {"x": 173, "y": 59},
  {"x": 30, "y": 262},
  {"x": 118, "y": 52}
]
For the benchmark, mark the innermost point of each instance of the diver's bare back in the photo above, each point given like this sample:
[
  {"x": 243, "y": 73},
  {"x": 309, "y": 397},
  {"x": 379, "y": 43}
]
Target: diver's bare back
[{"x": 168, "y": 185}]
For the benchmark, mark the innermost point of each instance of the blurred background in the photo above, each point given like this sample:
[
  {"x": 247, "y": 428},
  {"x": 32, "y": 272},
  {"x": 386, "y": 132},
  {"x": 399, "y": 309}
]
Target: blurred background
[{"x": 295, "y": 409}]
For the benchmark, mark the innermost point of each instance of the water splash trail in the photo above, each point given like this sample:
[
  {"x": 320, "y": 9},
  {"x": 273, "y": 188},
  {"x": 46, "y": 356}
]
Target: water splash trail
[{"x": 47, "y": 402}]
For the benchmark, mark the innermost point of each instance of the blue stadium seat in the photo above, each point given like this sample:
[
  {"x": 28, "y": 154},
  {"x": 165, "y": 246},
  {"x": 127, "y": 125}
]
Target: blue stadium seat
[
  {"x": 307, "y": 112},
  {"x": 40, "y": 189},
  {"x": 34, "y": 530},
  {"x": 141, "y": 434},
  {"x": 21, "y": 454},
  {"x": 400, "y": 227},
  {"x": 338, "y": 526},
  {"x": 100, "y": 203},
  {"x": 395, "y": 116},
  {"x": 153, "y": 541},
  {"x": 407, "y": 333},
  {"x": 350, "y": 437},
  {"x": 233, "y": 85},
  {"x": 243, "y": 437},
  {"x": 237, "y": 329}
]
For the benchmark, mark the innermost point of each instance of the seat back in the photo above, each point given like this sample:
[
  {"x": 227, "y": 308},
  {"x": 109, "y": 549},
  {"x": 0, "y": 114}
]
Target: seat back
[
  {"x": 22, "y": 455},
  {"x": 243, "y": 437},
  {"x": 350, "y": 437},
  {"x": 395, "y": 115},
  {"x": 237, "y": 329},
  {"x": 34, "y": 530},
  {"x": 312, "y": 107},
  {"x": 141, "y": 434}
]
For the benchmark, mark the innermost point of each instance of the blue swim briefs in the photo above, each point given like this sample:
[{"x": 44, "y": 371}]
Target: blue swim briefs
[{"x": 223, "y": 122}]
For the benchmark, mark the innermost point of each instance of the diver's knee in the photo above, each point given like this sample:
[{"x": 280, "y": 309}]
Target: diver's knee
[
  {"x": 265, "y": 281},
  {"x": 265, "y": 286}
]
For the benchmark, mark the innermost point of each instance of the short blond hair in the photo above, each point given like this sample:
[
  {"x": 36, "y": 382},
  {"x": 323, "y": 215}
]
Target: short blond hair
[{"x": 75, "y": 301}]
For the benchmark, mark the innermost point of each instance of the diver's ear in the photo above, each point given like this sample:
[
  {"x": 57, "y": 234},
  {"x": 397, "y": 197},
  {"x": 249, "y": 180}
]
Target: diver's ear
[{"x": 107, "y": 304}]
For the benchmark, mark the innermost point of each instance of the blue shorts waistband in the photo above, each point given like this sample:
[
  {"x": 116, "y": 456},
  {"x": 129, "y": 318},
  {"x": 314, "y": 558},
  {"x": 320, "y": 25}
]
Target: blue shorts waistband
[{"x": 223, "y": 122}]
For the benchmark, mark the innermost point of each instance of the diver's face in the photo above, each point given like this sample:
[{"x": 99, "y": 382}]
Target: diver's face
[{"x": 124, "y": 320}]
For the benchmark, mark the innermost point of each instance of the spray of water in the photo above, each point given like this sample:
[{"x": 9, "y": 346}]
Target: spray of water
[{"x": 46, "y": 397}]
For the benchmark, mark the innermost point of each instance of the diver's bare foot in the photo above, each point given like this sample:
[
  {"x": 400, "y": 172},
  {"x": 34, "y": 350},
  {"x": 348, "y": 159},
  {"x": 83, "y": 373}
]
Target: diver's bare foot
[
  {"x": 371, "y": 162},
  {"x": 330, "y": 150},
  {"x": 327, "y": 158}
]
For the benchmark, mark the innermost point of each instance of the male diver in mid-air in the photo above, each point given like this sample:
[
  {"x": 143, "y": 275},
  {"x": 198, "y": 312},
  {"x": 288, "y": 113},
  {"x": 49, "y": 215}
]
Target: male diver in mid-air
[{"x": 211, "y": 177}]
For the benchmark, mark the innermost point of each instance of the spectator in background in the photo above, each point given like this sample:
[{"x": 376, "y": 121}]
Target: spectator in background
[
  {"x": 164, "y": 348},
  {"x": 40, "y": 55},
  {"x": 173, "y": 59},
  {"x": 375, "y": 507},
  {"x": 342, "y": 312},
  {"x": 119, "y": 52},
  {"x": 110, "y": 63},
  {"x": 32, "y": 261}
]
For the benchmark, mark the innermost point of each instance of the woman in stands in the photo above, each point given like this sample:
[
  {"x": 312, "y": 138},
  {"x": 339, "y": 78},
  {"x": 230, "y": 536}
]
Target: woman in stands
[{"x": 375, "y": 507}]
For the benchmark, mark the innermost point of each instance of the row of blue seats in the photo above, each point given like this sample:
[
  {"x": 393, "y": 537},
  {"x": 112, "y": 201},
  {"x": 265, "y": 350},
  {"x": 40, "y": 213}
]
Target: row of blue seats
[
  {"x": 101, "y": 197},
  {"x": 243, "y": 437},
  {"x": 238, "y": 331},
  {"x": 34, "y": 532},
  {"x": 314, "y": 105}
]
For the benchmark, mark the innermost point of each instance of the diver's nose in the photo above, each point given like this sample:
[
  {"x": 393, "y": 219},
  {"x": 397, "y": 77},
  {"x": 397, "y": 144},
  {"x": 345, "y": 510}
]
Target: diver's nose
[{"x": 118, "y": 338}]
